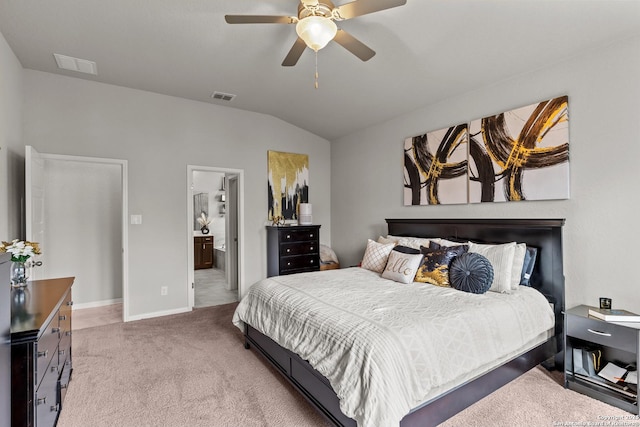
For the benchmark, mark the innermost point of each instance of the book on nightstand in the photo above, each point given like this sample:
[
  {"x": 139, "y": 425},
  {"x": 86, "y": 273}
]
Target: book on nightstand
[{"x": 614, "y": 315}]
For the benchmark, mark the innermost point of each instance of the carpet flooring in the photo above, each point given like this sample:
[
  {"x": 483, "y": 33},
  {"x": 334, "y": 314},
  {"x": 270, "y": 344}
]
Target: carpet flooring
[{"x": 191, "y": 369}]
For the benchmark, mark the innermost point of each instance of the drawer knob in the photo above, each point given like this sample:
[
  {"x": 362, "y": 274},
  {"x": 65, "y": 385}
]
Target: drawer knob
[
  {"x": 603, "y": 334},
  {"x": 288, "y": 264},
  {"x": 311, "y": 248},
  {"x": 62, "y": 317},
  {"x": 54, "y": 368},
  {"x": 60, "y": 352},
  {"x": 69, "y": 302},
  {"x": 41, "y": 401},
  {"x": 288, "y": 250},
  {"x": 311, "y": 261},
  {"x": 55, "y": 408},
  {"x": 55, "y": 330},
  {"x": 68, "y": 333},
  {"x": 43, "y": 353},
  {"x": 288, "y": 236},
  {"x": 64, "y": 385}
]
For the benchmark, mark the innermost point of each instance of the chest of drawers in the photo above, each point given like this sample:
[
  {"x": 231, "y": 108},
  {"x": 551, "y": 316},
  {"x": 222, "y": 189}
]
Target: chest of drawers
[
  {"x": 40, "y": 351},
  {"x": 294, "y": 249}
]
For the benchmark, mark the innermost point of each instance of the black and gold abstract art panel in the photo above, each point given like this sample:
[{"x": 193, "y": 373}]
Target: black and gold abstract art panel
[
  {"x": 435, "y": 167},
  {"x": 287, "y": 183},
  {"x": 521, "y": 154}
]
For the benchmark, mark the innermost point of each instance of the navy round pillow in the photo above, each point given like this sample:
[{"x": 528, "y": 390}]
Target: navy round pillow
[{"x": 471, "y": 272}]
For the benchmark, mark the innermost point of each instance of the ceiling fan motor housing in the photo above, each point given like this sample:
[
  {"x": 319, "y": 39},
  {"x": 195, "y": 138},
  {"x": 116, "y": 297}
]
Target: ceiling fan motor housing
[{"x": 315, "y": 8}]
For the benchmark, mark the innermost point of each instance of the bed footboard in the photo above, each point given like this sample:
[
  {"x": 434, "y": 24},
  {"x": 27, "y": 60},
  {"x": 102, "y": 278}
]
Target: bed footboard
[
  {"x": 317, "y": 390},
  {"x": 311, "y": 384}
]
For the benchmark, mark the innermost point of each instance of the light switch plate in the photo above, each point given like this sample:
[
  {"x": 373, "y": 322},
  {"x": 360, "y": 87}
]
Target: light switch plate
[{"x": 136, "y": 219}]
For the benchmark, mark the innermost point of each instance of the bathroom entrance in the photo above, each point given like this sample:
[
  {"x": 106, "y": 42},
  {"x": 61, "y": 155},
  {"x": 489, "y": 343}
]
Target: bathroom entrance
[{"x": 214, "y": 211}]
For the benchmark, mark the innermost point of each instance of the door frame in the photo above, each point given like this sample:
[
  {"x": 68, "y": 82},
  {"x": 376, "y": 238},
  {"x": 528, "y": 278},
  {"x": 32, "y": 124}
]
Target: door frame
[
  {"x": 189, "y": 227},
  {"x": 124, "y": 175}
]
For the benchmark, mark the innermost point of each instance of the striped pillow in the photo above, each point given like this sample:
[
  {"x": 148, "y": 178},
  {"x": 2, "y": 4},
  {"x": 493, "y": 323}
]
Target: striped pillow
[{"x": 501, "y": 258}]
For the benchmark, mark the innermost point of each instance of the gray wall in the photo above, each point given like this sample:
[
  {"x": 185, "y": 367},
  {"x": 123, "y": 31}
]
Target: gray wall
[
  {"x": 11, "y": 148},
  {"x": 159, "y": 136},
  {"x": 601, "y": 228}
]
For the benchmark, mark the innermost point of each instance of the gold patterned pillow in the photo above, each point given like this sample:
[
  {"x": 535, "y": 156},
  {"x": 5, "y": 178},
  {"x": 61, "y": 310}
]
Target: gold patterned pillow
[{"x": 435, "y": 265}]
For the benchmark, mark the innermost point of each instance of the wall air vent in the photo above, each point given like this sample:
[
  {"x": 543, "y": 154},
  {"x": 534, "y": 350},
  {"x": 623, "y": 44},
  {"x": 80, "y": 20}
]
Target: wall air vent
[
  {"x": 76, "y": 64},
  {"x": 222, "y": 96}
]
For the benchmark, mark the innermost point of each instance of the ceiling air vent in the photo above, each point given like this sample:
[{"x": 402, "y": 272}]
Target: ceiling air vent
[
  {"x": 222, "y": 96},
  {"x": 76, "y": 64}
]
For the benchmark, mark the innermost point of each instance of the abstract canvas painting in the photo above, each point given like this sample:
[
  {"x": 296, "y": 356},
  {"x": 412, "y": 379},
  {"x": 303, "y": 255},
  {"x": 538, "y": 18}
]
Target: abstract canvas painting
[
  {"x": 522, "y": 154},
  {"x": 288, "y": 183},
  {"x": 435, "y": 167}
]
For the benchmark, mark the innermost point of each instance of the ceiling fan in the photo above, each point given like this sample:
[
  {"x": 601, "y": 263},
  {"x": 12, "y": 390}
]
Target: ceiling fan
[{"x": 315, "y": 25}]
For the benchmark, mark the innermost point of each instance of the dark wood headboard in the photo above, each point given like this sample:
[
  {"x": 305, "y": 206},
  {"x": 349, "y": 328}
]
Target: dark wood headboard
[{"x": 543, "y": 234}]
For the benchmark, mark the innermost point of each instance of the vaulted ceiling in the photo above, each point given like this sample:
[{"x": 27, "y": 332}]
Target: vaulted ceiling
[{"x": 426, "y": 50}]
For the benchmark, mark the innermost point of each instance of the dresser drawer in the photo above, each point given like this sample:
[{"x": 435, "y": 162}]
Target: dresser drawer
[
  {"x": 297, "y": 235},
  {"x": 46, "y": 349},
  {"x": 300, "y": 248},
  {"x": 303, "y": 262},
  {"x": 47, "y": 406},
  {"x": 64, "y": 315},
  {"x": 603, "y": 333},
  {"x": 63, "y": 382}
]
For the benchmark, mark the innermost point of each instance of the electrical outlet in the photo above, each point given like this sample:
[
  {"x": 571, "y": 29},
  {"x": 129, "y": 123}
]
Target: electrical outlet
[{"x": 164, "y": 290}]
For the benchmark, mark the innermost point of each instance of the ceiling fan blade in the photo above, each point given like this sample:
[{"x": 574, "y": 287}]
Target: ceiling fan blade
[
  {"x": 362, "y": 7},
  {"x": 260, "y": 19},
  {"x": 295, "y": 53},
  {"x": 354, "y": 45}
]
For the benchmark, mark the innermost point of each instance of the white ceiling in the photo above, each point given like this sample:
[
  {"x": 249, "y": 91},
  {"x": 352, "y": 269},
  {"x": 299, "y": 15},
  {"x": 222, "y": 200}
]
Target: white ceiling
[{"x": 427, "y": 50}]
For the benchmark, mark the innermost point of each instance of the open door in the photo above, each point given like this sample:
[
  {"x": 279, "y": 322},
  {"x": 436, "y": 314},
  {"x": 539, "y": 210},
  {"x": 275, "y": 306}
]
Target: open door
[
  {"x": 61, "y": 192},
  {"x": 34, "y": 208},
  {"x": 232, "y": 230}
]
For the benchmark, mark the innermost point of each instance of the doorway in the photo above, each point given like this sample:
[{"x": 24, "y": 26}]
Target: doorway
[
  {"x": 214, "y": 210},
  {"x": 71, "y": 201}
]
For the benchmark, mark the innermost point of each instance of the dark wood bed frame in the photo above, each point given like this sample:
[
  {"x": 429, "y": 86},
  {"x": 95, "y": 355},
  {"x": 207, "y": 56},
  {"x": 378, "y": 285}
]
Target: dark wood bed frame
[{"x": 548, "y": 277}]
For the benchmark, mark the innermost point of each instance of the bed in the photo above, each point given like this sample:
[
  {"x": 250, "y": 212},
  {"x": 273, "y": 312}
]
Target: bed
[{"x": 390, "y": 384}]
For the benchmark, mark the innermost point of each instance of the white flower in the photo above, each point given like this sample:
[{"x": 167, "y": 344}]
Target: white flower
[
  {"x": 203, "y": 220},
  {"x": 20, "y": 250}
]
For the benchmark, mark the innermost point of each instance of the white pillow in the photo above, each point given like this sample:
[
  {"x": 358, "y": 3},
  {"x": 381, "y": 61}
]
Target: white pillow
[
  {"x": 375, "y": 256},
  {"x": 386, "y": 240},
  {"x": 501, "y": 259},
  {"x": 518, "y": 264},
  {"x": 447, "y": 243},
  {"x": 416, "y": 242},
  {"x": 402, "y": 267}
]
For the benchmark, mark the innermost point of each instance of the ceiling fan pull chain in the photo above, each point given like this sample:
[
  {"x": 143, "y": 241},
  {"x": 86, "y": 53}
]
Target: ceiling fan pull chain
[{"x": 316, "y": 70}]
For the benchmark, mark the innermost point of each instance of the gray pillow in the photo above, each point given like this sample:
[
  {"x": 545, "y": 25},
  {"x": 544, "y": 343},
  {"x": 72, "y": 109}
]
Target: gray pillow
[
  {"x": 529, "y": 263},
  {"x": 471, "y": 272}
]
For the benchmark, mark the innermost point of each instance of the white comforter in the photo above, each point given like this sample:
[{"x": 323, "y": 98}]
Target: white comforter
[{"x": 384, "y": 345}]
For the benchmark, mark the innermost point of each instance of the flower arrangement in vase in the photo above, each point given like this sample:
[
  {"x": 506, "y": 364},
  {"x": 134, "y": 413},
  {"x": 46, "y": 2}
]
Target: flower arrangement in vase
[
  {"x": 21, "y": 251},
  {"x": 204, "y": 222}
]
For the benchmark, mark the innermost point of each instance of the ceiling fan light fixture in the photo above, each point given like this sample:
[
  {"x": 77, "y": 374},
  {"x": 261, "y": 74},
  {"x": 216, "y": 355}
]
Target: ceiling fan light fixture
[{"x": 316, "y": 31}]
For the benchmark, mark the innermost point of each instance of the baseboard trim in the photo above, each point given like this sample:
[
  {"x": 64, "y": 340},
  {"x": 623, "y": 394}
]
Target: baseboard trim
[
  {"x": 157, "y": 314},
  {"x": 95, "y": 304}
]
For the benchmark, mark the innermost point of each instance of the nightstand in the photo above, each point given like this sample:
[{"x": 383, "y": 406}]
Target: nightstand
[{"x": 618, "y": 343}]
